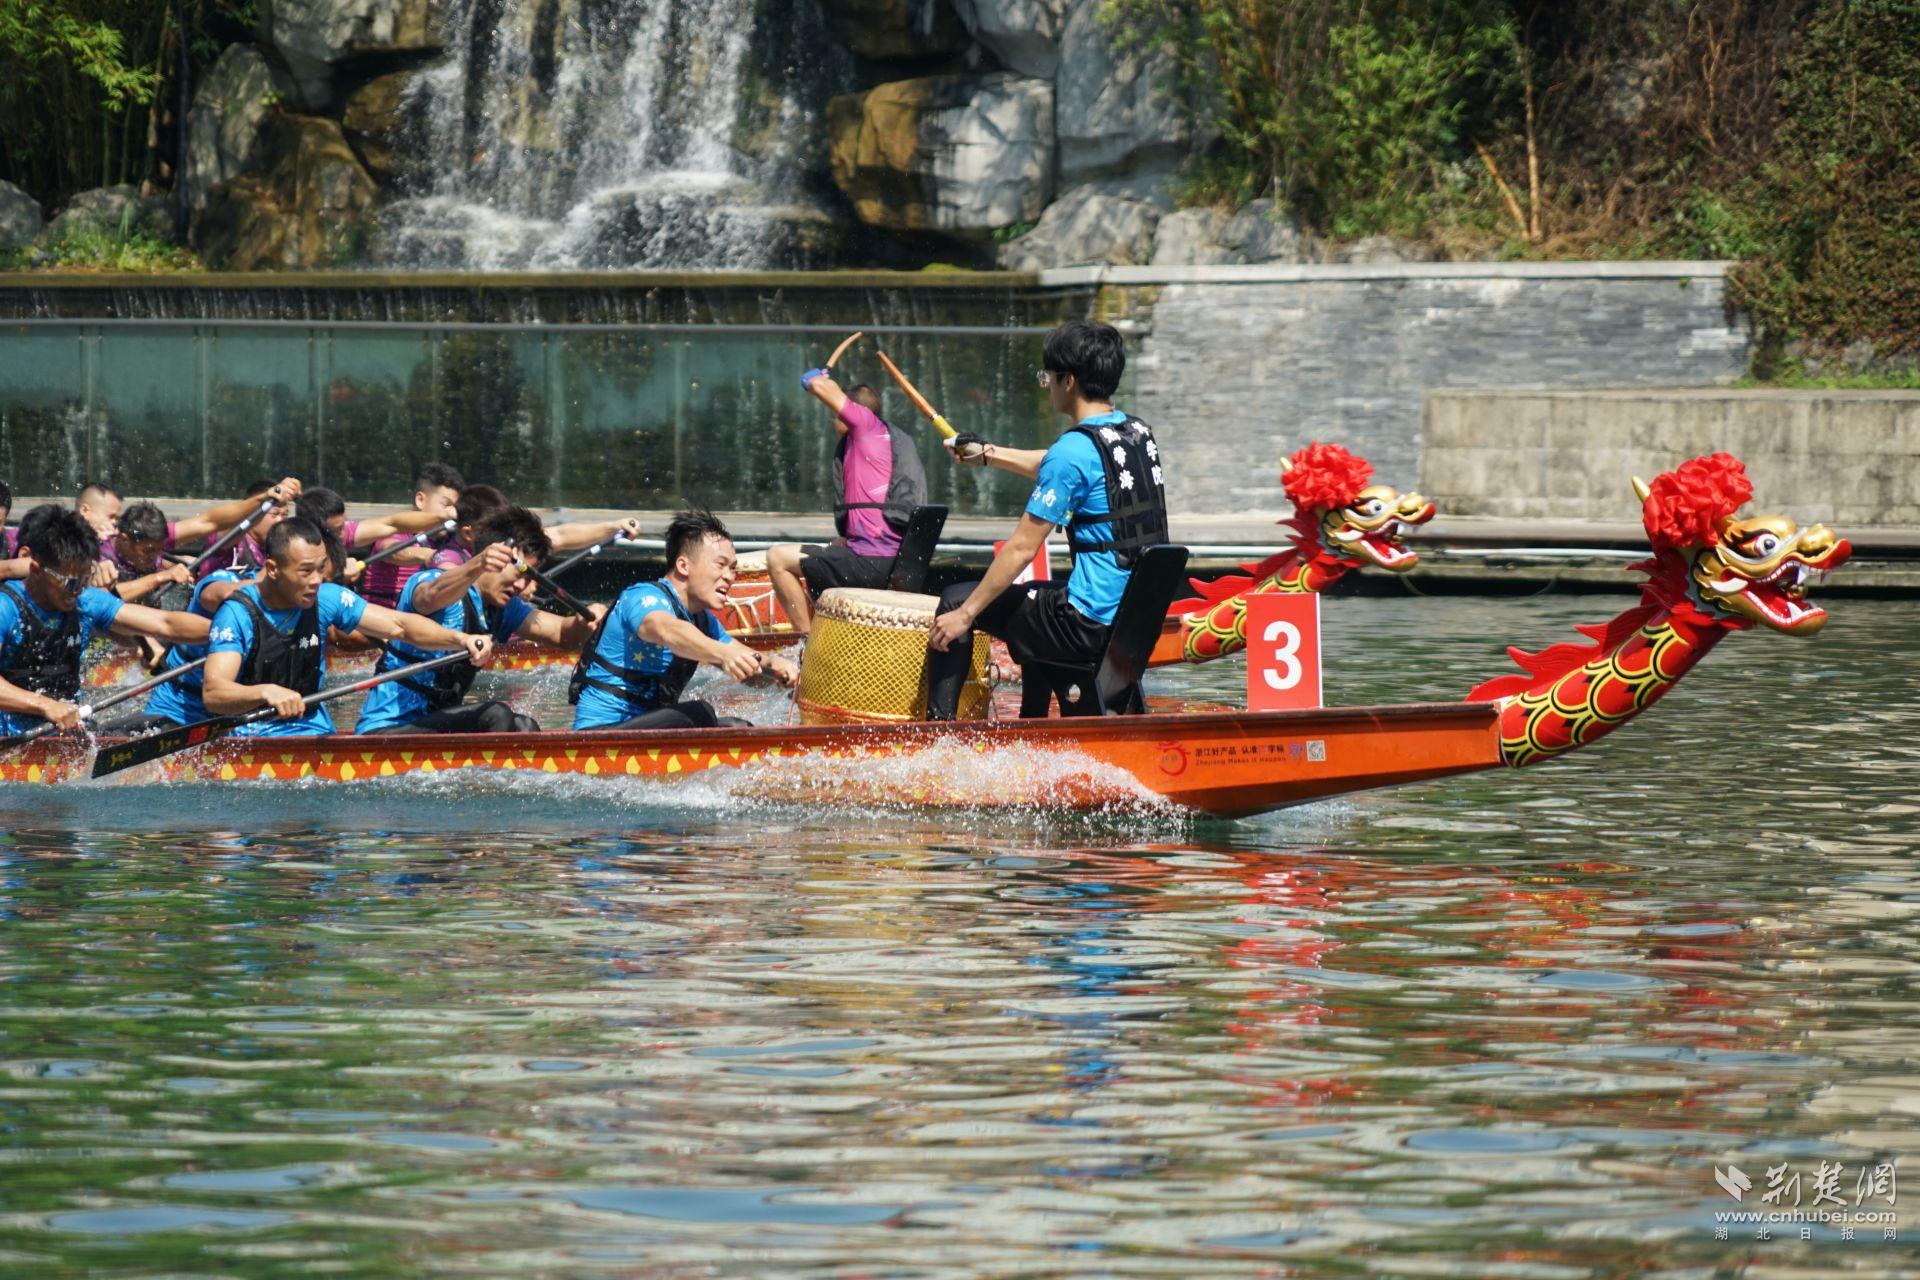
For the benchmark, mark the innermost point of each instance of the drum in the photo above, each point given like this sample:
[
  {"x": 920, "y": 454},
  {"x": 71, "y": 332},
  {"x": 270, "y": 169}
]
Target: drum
[
  {"x": 867, "y": 660},
  {"x": 750, "y": 564}
]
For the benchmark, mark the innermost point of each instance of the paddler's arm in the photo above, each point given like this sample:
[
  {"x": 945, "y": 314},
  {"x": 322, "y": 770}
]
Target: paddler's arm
[
  {"x": 23, "y": 702},
  {"x": 1022, "y": 462},
  {"x": 578, "y": 534},
  {"x": 216, "y": 520},
  {"x": 1016, "y": 554},
  {"x": 423, "y": 633},
  {"x": 408, "y": 522},
  {"x": 161, "y": 624},
  {"x": 435, "y": 594},
  {"x": 224, "y": 695},
  {"x": 820, "y": 385},
  {"x": 571, "y": 632},
  {"x": 16, "y": 568},
  {"x": 166, "y": 575},
  {"x": 688, "y": 641}
]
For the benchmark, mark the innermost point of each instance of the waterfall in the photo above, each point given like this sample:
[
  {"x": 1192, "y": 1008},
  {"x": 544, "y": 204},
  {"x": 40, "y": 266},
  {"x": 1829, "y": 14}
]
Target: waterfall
[{"x": 583, "y": 134}]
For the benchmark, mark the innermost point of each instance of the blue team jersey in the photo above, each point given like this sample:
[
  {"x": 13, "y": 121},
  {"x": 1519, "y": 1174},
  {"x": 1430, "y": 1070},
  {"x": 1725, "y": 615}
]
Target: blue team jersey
[
  {"x": 393, "y": 703},
  {"x": 179, "y": 700},
  {"x": 233, "y": 633},
  {"x": 97, "y": 610},
  {"x": 621, "y": 645},
  {"x": 1071, "y": 482}
]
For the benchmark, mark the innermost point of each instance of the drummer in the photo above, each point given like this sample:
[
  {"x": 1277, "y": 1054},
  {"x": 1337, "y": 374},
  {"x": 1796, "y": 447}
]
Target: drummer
[
  {"x": 877, "y": 483},
  {"x": 642, "y": 654},
  {"x": 1102, "y": 480}
]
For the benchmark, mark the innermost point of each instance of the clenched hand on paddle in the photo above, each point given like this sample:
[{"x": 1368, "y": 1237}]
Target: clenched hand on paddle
[{"x": 82, "y": 714}]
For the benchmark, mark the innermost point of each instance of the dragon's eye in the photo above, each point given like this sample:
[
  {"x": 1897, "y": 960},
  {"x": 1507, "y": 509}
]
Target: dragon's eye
[
  {"x": 1764, "y": 544},
  {"x": 1371, "y": 507}
]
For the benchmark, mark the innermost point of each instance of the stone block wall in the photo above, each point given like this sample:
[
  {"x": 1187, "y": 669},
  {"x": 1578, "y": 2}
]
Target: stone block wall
[
  {"x": 1846, "y": 458},
  {"x": 1237, "y": 365}
]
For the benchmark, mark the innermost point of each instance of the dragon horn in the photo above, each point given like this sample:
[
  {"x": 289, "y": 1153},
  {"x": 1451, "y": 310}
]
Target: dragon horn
[
  {"x": 1640, "y": 489},
  {"x": 1286, "y": 464}
]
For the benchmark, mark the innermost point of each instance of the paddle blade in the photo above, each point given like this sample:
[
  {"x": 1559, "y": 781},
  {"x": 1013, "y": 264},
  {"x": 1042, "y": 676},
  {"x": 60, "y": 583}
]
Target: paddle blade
[{"x": 125, "y": 755}]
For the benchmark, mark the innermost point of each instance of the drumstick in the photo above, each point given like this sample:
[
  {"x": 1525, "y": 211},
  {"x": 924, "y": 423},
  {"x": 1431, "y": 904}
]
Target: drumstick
[
  {"x": 842, "y": 349},
  {"x": 919, "y": 401}
]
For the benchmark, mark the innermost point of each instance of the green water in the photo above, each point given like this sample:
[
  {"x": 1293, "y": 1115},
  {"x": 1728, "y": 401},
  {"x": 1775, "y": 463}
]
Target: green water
[{"x": 1505, "y": 1025}]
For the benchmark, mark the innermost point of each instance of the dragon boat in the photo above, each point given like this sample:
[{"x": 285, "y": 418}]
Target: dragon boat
[{"x": 1710, "y": 574}]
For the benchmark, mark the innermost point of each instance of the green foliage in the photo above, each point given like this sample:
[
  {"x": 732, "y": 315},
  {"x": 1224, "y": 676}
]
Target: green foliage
[
  {"x": 1793, "y": 375},
  {"x": 1709, "y": 225},
  {"x": 1839, "y": 258},
  {"x": 93, "y": 249},
  {"x": 1011, "y": 232}
]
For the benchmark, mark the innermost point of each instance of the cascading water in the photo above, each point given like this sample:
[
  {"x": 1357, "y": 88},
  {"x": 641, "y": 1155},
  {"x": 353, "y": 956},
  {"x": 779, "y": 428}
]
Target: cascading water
[{"x": 600, "y": 134}]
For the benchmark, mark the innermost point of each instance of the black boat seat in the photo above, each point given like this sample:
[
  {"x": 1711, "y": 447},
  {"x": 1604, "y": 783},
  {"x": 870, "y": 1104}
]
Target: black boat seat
[
  {"x": 1111, "y": 686},
  {"x": 917, "y": 542}
]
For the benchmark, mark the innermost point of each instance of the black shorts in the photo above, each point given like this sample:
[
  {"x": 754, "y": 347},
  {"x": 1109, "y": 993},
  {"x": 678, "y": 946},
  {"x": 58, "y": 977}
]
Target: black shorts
[
  {"x": 1037, "y": 622},
  {"x": 824, "y": 568}
]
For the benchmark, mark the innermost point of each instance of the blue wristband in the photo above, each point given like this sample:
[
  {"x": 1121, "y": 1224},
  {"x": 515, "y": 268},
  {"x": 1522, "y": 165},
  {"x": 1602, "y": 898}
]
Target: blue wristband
[{"x": 806, "y": 379}]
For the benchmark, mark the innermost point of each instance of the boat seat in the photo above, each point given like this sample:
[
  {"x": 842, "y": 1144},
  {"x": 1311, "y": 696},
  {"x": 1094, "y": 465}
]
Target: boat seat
[
  {"x": 1111, "y": 686},
  {"x": 916, "y": 549}
]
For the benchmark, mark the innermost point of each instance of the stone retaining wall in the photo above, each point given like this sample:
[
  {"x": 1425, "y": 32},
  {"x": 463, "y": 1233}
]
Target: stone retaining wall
[
  {"x": 1238, "y": 365},
  {"x": 1846, "y": 458}
]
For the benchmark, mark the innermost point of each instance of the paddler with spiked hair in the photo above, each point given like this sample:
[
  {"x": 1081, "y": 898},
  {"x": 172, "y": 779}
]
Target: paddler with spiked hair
[
  {"x": 479, "y": 597},
  {"x": 1101, "y": 479},
  {"x": 642, "y": 654},
  {"x": 877, "y": 482},
  {"x": 269, "y": 640}
]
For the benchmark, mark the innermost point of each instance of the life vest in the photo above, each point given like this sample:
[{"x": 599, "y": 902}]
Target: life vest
[
  {"x": 906, "y": 482},
  {"x": 639, "y": 689},
  {"x": 443, "y": 687},
  {"x": 293, "y": 659},
  {"x": 1136, "y": 495},
  {"x": 48, "y": 658},
  {"x": 243, "y": 557}
]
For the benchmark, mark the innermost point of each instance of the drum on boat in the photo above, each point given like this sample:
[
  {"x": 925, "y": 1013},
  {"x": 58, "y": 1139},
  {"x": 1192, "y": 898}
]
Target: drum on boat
[
  {"x": 750, "y": 564},
  {"x": 867, "y": 660}
]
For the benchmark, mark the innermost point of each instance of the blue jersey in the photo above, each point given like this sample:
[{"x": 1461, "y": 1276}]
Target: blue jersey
[
  {"x": 620, "y": 645},
  {"x": 1071, "y": 482},
  {"x": 233, "y": 633},
  {"x": 96, "y": 611},
  {"x": 393, "y": 703},
  {"x": 179, "y": 700}
]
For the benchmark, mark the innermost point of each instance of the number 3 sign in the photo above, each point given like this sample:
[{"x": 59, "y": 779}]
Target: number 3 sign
[{"x": 1283, "y": 652}]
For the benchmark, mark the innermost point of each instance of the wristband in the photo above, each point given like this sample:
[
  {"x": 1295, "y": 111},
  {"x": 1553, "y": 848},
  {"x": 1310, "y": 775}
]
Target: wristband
[{"x": 806, "y": 379}]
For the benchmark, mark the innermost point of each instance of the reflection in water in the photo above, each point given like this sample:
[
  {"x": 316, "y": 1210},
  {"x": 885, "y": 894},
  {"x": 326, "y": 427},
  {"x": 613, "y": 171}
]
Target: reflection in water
[{"x": 1504, "y": 1025}]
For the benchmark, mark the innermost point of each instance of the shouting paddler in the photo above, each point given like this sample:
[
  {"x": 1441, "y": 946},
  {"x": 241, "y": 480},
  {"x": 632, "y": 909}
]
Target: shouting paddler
[
  {"x": 642, "y": 654},
  {"x": 269, "y": 640},
  {"x": 877, "y": 482},
  {"x": 1102, "y": 480},
  {"x": 46, "y": 621},
  {"x": 479, "y": 597}
]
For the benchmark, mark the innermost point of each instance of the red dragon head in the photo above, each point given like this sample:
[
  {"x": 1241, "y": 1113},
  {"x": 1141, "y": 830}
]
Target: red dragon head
[
  {"x": 1338, "y": 515},
  {"x": 1737, "y": 573}
]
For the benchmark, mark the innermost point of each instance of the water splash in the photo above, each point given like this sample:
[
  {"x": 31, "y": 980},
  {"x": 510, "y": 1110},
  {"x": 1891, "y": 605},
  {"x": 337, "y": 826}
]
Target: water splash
[{"x": 603, "y": 134}]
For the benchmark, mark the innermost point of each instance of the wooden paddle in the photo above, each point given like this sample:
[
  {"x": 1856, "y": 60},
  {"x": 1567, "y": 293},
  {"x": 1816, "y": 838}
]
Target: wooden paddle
[
  {"x": 125, "y": 755},
  {"x": 87, "y": 712},
  {"x": 228, "y": 538},
  {"x": 842, "y": 349},
  {"x": 578, "y": 556},
  {"x": 920, "y": 402},
  {"x": 417, "y": 540}
]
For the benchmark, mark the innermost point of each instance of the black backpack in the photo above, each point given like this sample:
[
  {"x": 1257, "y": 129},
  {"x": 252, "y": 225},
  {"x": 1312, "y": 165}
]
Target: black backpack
[{"x": 906, "y": 484}]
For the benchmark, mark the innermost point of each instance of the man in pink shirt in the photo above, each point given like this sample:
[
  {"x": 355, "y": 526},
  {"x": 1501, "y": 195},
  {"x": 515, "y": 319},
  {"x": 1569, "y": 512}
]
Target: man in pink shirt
[
  {"x": 878, "y": 483},
  {"x": 434, "y": 493}
]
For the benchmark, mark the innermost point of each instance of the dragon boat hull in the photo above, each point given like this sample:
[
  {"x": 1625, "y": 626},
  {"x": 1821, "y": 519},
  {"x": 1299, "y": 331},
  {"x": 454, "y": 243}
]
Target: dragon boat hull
[{"x": 1221, "y": 764}]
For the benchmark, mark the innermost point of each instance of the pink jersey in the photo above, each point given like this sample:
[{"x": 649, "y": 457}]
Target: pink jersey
[
  {"x": 869, "y": 468},
  {"x": 382, "y": 583}
]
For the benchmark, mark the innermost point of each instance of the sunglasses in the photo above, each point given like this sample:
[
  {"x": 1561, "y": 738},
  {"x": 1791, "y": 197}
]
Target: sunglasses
[
  {"x": 72, "y": 586},
  {"x": 1044, "y": 377}
]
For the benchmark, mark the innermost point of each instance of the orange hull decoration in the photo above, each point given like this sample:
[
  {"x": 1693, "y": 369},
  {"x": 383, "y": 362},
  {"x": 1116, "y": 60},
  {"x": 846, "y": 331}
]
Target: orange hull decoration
[
  {"x": 1709, "y": 575},
  {"x": 1340, "y": 523},
  {"x": 1223, "y": 764}
]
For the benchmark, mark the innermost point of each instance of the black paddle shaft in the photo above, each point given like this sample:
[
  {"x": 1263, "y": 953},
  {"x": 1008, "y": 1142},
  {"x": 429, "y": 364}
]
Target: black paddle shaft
[
  {"x": 417, "y": 540},
  {"x": 125, "y": 695}
]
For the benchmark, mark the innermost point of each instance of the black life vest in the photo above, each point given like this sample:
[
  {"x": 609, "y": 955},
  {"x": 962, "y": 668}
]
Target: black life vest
[
  {"x": 1136, "y": 495},
  {"x": 443, "y": 687},
  {"x": 48, "y": 658},
  {"x": 639, "y": 689},
  {"x": 906, "y": 482},
  {"x": 293, "y": 659}
]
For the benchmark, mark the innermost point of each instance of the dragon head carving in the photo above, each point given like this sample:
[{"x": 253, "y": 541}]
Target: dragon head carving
[
  {"x": 1346, "y": 519},
  {"x": 1736, "y": 573}
]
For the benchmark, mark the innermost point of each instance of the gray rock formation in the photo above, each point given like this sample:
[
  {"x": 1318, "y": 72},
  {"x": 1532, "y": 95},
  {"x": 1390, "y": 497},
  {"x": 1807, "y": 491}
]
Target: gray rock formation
[
  {"x": 1384, "y": 249},
  {"x": 19, "y": 217},
  {"x": 1086, "y": 225},
  {"x": 1192, "y": 238},
  {"x": 1209, "y": 237},
  {"x": 113, "y": 211},
  {"x": 375, "y": 122},
  {"x": 307, "y": 206},
  {"x": 1114, "y": 110},
  {"x": 1024, "y": 35},
  {"x": 315, "y": 36},
  {"x": 229, "y": 110},
  {"x": 957, "y": 154},
  {"x": 896, "y": 28}
]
